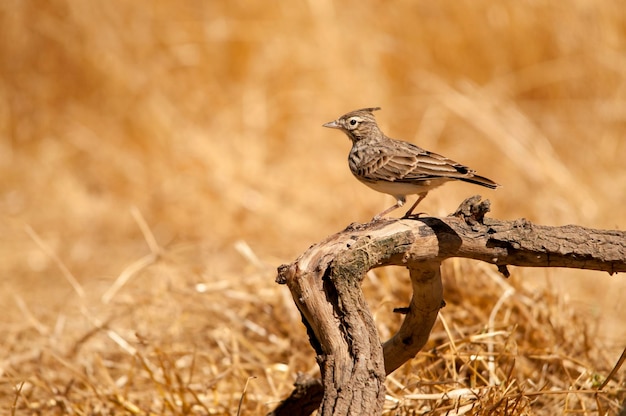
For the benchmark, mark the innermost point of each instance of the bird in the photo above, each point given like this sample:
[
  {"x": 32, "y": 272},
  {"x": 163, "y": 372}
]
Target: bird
[{"x": 397, "y": 167}]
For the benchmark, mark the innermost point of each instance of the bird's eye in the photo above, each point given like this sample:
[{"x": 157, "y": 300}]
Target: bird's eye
[{"x": 353, "y": 121}]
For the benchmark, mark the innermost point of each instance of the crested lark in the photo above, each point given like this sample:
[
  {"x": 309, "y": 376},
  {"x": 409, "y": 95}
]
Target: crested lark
[{"x": 396, "y": 167}]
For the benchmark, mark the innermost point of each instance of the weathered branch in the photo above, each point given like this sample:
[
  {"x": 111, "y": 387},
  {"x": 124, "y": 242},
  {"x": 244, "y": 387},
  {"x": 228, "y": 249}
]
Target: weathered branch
[{"x": 325, "y": 284}]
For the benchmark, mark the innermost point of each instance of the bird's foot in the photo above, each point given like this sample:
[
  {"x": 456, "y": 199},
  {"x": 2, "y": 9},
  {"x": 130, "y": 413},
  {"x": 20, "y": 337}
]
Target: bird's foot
[{"x": 414, "y": 216}]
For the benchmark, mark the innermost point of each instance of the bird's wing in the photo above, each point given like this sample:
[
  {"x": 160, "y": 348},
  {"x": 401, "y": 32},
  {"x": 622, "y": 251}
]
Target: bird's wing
[{"x": 399, "y": 161}]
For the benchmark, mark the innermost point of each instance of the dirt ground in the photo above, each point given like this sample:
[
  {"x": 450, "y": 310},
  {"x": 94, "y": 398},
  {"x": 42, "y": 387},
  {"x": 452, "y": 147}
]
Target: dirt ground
[{"x": 159, "y": 160}]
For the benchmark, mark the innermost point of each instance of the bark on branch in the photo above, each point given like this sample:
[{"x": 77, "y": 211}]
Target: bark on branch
[{"x": 325, "y": 285}]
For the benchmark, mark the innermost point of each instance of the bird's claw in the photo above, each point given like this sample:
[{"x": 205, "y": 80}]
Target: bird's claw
[{"x": 415, "y": 216}]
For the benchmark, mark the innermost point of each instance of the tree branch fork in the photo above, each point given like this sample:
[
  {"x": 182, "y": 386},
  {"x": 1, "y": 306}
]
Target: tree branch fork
[{"x": 325, "y": 284}]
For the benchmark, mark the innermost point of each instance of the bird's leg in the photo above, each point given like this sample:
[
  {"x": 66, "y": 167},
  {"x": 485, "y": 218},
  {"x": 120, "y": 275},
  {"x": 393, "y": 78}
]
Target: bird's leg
[
  {"x": 399, "y": 203},
  {"x": 410, "y": 211}
]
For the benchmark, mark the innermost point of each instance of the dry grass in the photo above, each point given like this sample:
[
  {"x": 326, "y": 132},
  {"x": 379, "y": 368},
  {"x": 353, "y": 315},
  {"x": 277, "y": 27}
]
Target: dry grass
[{"x": 158, "y": 160}]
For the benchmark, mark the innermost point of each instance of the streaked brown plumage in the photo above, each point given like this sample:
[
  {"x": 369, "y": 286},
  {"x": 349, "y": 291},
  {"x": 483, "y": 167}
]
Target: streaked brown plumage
[{"x": 396, "y": 167}]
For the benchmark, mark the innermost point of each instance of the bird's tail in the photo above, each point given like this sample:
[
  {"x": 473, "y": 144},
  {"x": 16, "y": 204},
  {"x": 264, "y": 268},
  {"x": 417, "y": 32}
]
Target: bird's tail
[{"x": 480, "y": 180}]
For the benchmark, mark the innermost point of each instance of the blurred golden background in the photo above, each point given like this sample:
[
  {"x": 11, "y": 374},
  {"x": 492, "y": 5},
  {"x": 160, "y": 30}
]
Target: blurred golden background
[{"x": 203, "y": 119}]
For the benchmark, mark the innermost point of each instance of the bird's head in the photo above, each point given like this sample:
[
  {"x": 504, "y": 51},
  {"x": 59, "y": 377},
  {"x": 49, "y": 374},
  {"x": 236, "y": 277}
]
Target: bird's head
[{"x": 358, "y": 124}]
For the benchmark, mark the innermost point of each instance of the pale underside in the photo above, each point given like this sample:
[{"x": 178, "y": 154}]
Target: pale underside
[{"x": 400, "y": 189}]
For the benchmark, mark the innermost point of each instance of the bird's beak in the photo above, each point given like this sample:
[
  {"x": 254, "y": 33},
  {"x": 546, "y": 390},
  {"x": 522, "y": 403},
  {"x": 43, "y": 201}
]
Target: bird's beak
[{"x": 332, "y": 125}]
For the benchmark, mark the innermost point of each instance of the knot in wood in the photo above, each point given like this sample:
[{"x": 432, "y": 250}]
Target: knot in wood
[{"x": 473, "y": 210}]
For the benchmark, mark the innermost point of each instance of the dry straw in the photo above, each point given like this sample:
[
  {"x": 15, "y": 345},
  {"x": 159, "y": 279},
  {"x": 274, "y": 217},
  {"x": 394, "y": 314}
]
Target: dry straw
[{"x": 206, "y": 117}]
